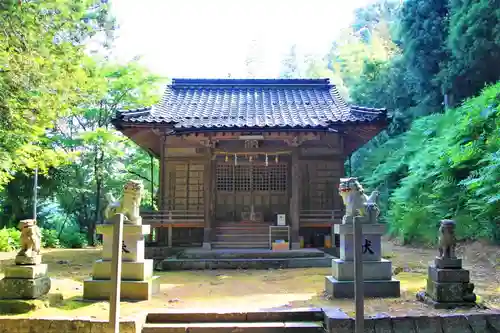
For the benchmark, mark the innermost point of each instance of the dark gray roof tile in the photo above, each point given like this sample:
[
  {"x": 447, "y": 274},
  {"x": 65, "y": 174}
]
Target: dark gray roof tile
[{"x": 251, "y": 103}]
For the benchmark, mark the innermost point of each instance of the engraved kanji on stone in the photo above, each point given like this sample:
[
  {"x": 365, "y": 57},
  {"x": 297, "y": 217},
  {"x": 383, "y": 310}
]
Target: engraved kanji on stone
[
  {"x": 124, "y": 248},
  {"x": 367, "y": 246}
]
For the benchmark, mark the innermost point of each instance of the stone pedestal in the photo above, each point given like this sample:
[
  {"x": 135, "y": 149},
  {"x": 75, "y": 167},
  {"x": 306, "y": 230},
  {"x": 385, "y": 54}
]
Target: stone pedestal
[
  {"x": 138, "y": 282},
  {"x": 448, "y": 285},
  {"x": 27, "y": 279},
  {"x": 377, "y": 272}
]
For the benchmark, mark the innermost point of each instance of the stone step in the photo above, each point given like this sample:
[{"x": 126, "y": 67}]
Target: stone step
[
  {"x": 256, "y": 327},
  {"x": 257, "y": 263},
  {"x": 223, "y": 254},
  {"x": 242, "y": 228},
  {"x": 262, "y": 237},
  {"x": 172, "y": 316},
  {"x": 234, "y": 245}
]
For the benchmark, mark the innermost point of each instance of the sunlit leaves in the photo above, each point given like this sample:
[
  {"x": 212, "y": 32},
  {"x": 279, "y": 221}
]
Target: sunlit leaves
[
  {"x": 446, "y": 166},
  {"x": 41, "y": 77}
]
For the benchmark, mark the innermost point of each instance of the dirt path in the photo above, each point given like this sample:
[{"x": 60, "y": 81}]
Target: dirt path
[{"x": 265, "y": 289}]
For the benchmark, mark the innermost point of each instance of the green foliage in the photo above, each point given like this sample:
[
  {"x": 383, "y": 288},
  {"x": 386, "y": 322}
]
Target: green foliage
[
  {"x": 73, "y": 240},
  {"x": 474, "y": 43},
  {"x": 50, "y": 238},
  {"x": 9, "y": 239},
  {"x": 445, "y": 166},
  {"x": 42, "y": 76}
]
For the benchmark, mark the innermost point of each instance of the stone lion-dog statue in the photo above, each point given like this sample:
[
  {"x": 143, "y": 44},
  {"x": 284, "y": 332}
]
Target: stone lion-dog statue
[
  {"x": 356, "y": 202},
  {"x": 31, "y": 238},
  {"x": 447, "y": 239},
  {"x": 129, "y": 205}
]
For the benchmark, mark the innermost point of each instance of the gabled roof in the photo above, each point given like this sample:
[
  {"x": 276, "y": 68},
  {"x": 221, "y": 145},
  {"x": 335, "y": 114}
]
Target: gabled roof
[{"x": 224, "y": 104}]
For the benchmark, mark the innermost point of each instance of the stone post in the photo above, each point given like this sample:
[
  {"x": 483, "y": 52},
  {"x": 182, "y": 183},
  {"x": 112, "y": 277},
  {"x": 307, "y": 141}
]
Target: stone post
[
  {"x": 448, "y": 284},
  {"x": 27, "y": 279}
]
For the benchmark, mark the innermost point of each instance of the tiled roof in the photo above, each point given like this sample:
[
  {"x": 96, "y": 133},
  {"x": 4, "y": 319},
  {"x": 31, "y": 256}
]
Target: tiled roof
[{"x": 251, "y": 103}]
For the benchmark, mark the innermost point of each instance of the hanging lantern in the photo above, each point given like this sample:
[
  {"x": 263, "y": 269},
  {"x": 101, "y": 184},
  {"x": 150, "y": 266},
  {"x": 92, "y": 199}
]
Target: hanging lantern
[
  {"x": 267, "y": 161},
  {"x": 226, "y": 159},
  {"x": 276, "y": 159},
  {"x": 250, "y": 158},
  {"x": 235, "y": 159}
]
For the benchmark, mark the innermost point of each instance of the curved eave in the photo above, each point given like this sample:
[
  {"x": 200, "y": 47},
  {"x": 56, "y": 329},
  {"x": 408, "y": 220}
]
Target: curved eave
[{"x": 335, "y": 127}]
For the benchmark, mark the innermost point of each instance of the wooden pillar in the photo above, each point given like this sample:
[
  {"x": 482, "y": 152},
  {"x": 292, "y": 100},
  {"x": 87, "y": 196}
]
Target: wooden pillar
[
  {"x": 295, "y": 200},
  {"x": 163, "y": 196},
  {"x": 208, "y": 183},
  {"x": 163, "y": 173}
]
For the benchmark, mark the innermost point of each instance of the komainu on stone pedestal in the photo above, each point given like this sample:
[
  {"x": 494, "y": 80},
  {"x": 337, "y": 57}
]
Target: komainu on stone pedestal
[
  {"x": 27, "y": 279},
  {"x": 377, "y": 272},
  {"x": 448, "y": 284},
  {"x": 129, "y": 205}
]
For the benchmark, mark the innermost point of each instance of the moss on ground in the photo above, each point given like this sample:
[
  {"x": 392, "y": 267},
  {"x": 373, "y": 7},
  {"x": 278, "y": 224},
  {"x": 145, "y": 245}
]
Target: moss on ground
[{"x": 20, "y": 306}]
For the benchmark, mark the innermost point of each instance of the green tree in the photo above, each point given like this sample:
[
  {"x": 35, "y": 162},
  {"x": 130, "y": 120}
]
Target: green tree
[
  {"x": 290, "y": 64},
  {"x": 474, "y": 44},
  {"x": 104, "y": 155},
  {"x": 423, "y": 28},
  {"x": 41, "y": 76}
]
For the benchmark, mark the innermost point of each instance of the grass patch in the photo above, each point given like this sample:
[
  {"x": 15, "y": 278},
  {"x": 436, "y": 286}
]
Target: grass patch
[{"x": 412, "y": 282}]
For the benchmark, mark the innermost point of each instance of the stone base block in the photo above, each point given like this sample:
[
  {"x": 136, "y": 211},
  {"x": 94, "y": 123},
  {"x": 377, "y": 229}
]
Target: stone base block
[
  {"x": 12, "y": 288},
  {"x": 372, "y": 270},
  {"x": 448, "y": 263},
  {"x": 448, "y": 275},
  {"x": 130, "y": 290},
  {"x": 25, "y": 271},
  {"x": 345, "y": 289},
  {"x": 423, "y": 297},
  {"x": 449, "y": 291},
  {"x": 134, "y": 271},
  {"x": 32, "y": 260},
  {"x": 368, "y": 229}
]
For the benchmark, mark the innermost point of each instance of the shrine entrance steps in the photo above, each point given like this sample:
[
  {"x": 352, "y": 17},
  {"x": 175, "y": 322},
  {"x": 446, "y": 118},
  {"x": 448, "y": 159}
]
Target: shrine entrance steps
[
  {"x": 245, "y": 235},
  {"x": 199, "y": 258},
  {"x": 296, "y": 320}
]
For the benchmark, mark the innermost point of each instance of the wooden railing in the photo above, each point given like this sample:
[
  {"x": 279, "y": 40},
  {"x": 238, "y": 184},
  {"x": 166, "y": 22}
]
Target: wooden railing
[
  {"x": 318, "y": 218},
  {"x": 176, "y": 218}
]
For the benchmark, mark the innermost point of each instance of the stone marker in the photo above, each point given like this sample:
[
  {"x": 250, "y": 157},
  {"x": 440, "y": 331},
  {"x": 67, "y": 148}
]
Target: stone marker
[
  {"x": 27, "y": 279},
  {"x": 138, "y": 282},
  {"x": 448, "y": 284},
  {"x": 377, "y": 272}
]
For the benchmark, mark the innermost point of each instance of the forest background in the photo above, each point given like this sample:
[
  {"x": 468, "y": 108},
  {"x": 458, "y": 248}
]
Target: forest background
[{"x": 433, "y": 64}]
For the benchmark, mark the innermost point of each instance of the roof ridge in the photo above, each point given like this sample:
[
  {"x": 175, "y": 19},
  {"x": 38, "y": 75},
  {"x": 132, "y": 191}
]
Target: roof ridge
[{"x": 186, "y": 82}]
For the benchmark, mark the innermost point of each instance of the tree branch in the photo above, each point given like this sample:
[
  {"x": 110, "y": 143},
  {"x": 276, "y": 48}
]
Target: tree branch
[{"x": 140, "y": 176}]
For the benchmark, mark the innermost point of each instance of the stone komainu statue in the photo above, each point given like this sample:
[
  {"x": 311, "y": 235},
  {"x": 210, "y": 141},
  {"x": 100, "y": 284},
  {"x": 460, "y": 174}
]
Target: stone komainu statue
[
  {"x": 129, "y": 205},
  {"x": 447, "y": 239},
  {"x": 31, "y": 238},
  {"x": 356, "y": 202}
]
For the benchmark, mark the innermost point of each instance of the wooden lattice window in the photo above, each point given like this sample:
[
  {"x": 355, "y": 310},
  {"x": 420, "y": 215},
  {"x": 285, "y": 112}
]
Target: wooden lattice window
[
  {"x": 242, "y": 178},
  {"x": 278, "y": 178},
  {"x": 225, "y": 177},
  {"x": 246, "y": 178},
  {"x": 260, "y": 178}
]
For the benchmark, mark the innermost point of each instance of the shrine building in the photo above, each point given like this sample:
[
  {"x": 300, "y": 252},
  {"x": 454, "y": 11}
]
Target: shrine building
[{"x": 240, "y": 158}]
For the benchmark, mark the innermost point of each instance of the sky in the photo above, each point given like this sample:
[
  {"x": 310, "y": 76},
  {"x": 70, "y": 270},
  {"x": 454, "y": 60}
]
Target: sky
[{"x": 212, "y": 38}]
